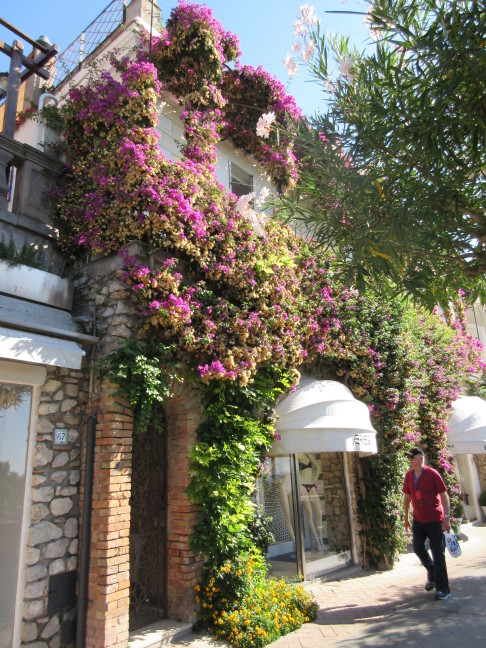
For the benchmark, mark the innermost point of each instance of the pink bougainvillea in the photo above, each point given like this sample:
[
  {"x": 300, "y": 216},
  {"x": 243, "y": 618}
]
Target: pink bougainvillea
[{"x": 242, "y": 299}]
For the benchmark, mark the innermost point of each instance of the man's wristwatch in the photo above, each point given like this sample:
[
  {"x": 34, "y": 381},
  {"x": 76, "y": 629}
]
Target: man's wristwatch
[{"x": 447, "y": 516}]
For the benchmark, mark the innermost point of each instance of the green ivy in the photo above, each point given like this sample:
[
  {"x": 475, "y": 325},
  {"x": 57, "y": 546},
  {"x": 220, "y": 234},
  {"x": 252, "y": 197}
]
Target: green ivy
[
  {"x": 144, "y": 371},
  {"x": 236, "y": 433},
  {"x": 237, "y": 601}
]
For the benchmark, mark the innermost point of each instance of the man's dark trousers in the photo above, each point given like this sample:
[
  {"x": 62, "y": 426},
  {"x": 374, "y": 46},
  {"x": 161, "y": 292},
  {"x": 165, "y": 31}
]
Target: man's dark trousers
[{"x": 436, "y": 569}]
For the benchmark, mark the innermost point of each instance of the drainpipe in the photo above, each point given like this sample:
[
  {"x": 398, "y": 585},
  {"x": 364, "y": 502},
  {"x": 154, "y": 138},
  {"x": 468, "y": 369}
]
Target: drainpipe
[
  {"x": 86, "y": 537},
  {"x": 42, "y": 100}
]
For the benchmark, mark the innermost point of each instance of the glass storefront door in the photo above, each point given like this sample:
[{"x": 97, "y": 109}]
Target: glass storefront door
[
  {"x": 310, "y": 509},
  {"x": 15, "y": 408}
]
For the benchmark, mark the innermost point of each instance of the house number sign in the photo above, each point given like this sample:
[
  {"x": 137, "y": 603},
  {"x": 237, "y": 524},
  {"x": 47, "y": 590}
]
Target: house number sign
[{"x": 60, "y": 436}]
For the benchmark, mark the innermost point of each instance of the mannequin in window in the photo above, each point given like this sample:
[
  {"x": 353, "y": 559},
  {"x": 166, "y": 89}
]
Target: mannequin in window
[
  {"x": 285, "y": 496},
  {"x": 309, "y": 474}
]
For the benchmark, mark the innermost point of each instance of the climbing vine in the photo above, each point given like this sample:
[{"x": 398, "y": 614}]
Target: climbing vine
[
  {"x": 237, "y": 432},
  {"x": 145, "y": 372}
]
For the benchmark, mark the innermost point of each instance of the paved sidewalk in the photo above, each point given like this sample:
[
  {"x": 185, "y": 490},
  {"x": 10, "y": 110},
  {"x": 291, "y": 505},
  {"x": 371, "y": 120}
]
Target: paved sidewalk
[{"x": 392, "y": 608}]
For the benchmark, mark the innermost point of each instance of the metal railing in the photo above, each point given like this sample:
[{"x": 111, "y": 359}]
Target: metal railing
[{"x": 85, "y": 44}]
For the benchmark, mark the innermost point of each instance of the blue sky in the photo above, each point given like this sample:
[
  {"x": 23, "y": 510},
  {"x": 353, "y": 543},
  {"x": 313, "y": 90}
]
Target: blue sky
[{"x": 265, "y": 28}]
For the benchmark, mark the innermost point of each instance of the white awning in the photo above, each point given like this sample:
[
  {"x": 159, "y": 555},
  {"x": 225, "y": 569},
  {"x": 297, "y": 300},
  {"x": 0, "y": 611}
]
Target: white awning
[
  {"x": 323, "y": 416},
  {"x": 467, "y": 426},
  {"x": 39, "y": 349}
]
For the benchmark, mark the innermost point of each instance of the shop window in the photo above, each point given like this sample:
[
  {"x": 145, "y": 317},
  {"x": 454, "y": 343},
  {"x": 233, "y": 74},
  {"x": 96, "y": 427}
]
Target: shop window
[
  {"x": 312, "y": 515},
  {"x": 241, "y": 182},
  {"x": 15, "y": 406}
]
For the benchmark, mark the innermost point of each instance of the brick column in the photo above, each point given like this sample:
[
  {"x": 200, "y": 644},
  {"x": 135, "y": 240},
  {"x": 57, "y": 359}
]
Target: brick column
[
  {"x": 184, "y": 413},
  {"x": 109, "y": 573}
]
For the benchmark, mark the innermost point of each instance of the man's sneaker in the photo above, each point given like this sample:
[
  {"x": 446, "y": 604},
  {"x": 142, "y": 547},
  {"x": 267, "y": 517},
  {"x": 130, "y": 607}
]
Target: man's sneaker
[
  {"x": 429, "y": 585},
  {"x": 442, "y": 595}
]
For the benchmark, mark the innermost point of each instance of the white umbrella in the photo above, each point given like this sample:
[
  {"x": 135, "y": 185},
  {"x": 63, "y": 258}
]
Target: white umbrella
[{"x": 467, "y": 426}]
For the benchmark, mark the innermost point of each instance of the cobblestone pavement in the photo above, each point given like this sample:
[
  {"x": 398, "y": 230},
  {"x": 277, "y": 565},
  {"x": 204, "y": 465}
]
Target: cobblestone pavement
[{"x": 392, "y": 608}]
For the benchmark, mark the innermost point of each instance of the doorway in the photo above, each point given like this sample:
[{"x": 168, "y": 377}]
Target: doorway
[{"x": 148, "y": 525}]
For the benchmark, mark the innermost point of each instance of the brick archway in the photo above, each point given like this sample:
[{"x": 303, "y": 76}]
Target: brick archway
[
  {"x": 109, "y": 573},
  {"x": 109, "y": 569},
  {"x": 184, "y": 413}
]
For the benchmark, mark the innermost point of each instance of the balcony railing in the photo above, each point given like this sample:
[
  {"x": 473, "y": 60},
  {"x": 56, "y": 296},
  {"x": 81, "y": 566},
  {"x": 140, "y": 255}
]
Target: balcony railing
[{"x": 85, "y": 44}]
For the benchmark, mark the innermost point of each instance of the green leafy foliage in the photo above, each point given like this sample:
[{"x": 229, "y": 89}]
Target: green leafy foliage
[
  {"x": 234, "y": 437},
  {"x": 393, "y": 174},
  {"x": 239, "y": 604},
  {"x": 237, "y": 601},
  {"x": 144, "y": 371},
  {"x": 52, "y": 117},
  {"x": 31, "y": 255}
]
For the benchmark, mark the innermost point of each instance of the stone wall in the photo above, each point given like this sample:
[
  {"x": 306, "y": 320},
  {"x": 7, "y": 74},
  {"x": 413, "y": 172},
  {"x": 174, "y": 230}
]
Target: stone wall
[
  {"x": 336, "y": 505},
  {"x": 52, "y": 541}
]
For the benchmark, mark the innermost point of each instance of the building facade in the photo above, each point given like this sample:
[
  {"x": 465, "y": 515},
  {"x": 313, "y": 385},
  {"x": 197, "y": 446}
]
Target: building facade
[{"x": 95, "y": 530}]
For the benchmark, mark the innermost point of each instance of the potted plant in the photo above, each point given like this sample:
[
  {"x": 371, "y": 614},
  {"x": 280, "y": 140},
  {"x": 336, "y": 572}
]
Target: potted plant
[
  {"x": 457, "y": 517},
  {"x": 482, "y": 501}
]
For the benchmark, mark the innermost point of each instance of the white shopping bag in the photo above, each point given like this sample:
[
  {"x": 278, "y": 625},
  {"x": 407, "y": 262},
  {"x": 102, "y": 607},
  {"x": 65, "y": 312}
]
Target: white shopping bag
[{"x": 452, "y": 544}]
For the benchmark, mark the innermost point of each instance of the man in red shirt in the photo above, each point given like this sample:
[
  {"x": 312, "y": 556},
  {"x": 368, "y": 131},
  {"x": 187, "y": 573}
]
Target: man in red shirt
[{"x": 424, "y": 488}]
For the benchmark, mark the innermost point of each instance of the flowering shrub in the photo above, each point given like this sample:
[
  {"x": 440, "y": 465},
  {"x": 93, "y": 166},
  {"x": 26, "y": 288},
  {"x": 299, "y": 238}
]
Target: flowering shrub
[
  {"x": 408, "y": 366},
  {"x": 192, "y": 58},
  {"x": 251, "y": 94},
  {"x": 192, "y": 52},
  {"x": 112, "y": 179},
  {"x": 263, "y": 610},
  {"x": 448, "y": 356},
  {"x": 304, "y": 44}
]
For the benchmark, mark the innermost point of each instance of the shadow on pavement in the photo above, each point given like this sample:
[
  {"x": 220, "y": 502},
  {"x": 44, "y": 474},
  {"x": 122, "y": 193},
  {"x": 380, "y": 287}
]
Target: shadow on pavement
[{"x": 420, "y": 620}]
